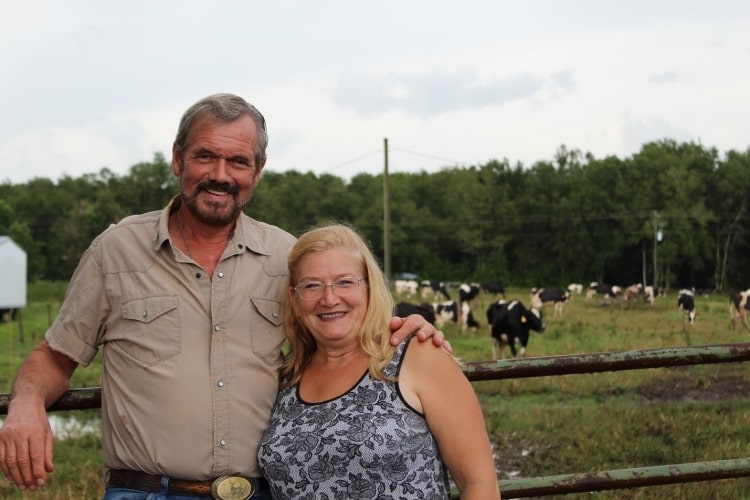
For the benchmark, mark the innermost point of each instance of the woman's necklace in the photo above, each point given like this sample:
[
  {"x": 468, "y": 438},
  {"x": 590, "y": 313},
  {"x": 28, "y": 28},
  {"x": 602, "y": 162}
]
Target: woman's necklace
[{"x": 182, "y": 233}]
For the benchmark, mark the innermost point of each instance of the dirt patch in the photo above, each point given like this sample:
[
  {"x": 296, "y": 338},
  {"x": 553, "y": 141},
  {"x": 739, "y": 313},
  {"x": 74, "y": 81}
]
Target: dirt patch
[
  {"x": 513, "y": 456},
  {"x": 709, "y": 388}
]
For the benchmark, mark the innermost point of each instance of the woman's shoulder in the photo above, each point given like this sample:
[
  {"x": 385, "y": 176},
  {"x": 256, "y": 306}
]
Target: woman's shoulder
[{"x": 427, "y": 353}]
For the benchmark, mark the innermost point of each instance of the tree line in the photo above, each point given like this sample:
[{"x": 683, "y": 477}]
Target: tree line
[{"x": 674, "y": 215}]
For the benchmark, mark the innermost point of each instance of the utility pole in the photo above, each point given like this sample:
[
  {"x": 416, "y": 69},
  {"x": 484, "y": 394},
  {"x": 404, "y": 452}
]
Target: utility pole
[
  {"x": 658, "y": 236},
  {"x": 643, "y": 264},
  {"x": 386, "y": 215}
]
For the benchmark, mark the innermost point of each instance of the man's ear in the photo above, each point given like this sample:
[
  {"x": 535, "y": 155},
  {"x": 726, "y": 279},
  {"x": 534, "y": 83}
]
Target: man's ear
[
  {"x": 176, "y": 164},
  {"x": 258, "y": 170}
]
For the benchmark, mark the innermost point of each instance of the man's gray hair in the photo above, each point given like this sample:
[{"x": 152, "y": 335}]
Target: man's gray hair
[{"x": 223, "y": 108}]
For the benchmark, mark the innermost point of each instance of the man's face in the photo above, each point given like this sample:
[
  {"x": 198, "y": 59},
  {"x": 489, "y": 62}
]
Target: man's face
[{"x": 217, "y": 170}]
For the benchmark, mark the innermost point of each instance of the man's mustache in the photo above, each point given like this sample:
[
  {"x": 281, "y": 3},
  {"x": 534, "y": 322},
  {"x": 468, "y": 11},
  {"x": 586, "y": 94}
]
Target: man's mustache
[{"x": 218, "y": 186}]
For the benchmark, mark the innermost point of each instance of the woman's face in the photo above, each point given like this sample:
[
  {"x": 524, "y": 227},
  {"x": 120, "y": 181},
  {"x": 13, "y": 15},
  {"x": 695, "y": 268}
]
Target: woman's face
[{"x": 333, "y": 314}]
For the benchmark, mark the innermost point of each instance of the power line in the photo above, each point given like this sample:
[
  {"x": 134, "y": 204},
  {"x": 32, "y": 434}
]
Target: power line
[
  {"x": 457, "y": 162},
  {"x": 348, "y": 162},
  {"x": 380, "y": 151}
]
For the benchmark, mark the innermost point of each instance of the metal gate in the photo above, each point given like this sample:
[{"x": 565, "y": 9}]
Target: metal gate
[{"x": 90, "y": 398}]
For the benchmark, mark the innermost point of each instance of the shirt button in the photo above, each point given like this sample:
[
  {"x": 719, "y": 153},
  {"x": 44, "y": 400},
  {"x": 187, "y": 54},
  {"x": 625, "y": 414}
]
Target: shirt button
[
  {"x": 220, "y": 383},
  {"x": 220, "y": 275},
  {"x": 223, "y": 442},
  {"x": 217, "y": 328},
  {"x": 198, "y": 275},
  {"x": 145, "y": 313},
  {"x": 275, "y": 315}
]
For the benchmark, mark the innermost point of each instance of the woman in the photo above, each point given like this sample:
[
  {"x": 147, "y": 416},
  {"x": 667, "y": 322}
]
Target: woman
[{"x": 356, "y": 417}]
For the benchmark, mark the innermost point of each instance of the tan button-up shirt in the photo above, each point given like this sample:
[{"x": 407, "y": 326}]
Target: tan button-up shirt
[{"x": 190, "y": 362}]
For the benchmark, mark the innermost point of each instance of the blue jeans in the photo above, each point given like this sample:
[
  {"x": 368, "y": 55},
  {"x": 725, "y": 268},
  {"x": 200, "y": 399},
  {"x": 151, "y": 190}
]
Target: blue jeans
[{"x": 125, "y": 494}]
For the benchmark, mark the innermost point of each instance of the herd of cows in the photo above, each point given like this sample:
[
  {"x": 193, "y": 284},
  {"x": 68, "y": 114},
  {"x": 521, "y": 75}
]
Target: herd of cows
[{"x": 510, "y": 323}]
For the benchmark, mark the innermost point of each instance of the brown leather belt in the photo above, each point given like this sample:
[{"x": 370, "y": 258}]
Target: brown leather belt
[{"x": 222, "y": 488}]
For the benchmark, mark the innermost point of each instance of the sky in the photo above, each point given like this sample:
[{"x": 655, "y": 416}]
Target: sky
[{"x": 86, "y": 85}]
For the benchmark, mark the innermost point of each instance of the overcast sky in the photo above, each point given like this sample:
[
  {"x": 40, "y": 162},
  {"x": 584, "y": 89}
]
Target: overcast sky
[{"x": 92, "y": 84}]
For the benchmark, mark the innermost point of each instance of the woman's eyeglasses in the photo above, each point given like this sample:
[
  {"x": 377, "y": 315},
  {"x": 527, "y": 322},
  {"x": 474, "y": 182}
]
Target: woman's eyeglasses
[{"x": 314, "y": 290}]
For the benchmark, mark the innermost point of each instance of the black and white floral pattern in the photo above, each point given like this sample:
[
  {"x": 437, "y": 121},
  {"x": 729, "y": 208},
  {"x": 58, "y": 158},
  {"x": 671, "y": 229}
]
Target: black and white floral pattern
[{"x": 367, "y": 443}]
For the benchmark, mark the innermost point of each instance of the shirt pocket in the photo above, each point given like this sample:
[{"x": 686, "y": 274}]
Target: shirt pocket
[
  {"x": 266, "y": 332},
  {"x": 151, "y": 329}
]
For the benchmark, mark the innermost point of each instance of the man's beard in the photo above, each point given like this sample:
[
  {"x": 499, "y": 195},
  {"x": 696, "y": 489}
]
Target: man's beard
[{"x": 214, "y": 215}]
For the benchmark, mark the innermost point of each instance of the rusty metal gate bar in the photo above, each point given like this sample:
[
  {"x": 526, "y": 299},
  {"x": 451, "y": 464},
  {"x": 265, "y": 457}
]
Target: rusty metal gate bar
[
  {"x": 89, "y": 398},
  {"x": 621, "y": 479},
  {"x": 607, "y": 361}
]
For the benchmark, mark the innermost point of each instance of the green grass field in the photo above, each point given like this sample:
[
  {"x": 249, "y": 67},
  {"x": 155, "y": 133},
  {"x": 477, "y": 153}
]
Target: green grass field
[{"x": 539, "y": 426}]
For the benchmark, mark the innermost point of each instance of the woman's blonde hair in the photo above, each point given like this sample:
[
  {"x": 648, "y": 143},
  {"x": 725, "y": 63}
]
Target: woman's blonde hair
[{"x": 374, "y": 336}]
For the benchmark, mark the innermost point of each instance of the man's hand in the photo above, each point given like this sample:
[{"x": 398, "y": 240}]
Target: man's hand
[
  {"x": 26, "y": 444},
  {"x": 414, "y": 323},
  {"x": 26, "y": 440}
]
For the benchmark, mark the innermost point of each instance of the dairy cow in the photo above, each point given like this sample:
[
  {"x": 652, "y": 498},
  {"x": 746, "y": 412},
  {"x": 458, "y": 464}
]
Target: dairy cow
[
  {"x": 493, "y": 287},
  {"x": 686, "y": 304},
  {"x": 510, "y": 324},
  {"x": 431, "y": 289},
  {"x": 575, "y": 288},
  {"x": 606, "y": 291},
  {"x": 468, "y": 292},
  {"x": 555, "y": 296},
  {"x": 406, "y": 287},
  {"x": 638, "y": 291},
  {"x": 445, "y": 311},
  {"x": 739, "y": 306},
  {"x": 404, "y": 309},
  {"x": 468, "y": 321}
]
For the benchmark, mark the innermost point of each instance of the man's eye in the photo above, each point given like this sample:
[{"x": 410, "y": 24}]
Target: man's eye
[{"x": 242, "y": 162}]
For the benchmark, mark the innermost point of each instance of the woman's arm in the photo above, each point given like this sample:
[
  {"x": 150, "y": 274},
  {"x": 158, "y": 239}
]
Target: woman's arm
[{"x": 432, "y": 381}]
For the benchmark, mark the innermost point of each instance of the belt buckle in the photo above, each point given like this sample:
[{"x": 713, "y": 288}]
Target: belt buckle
[{"x": 232, "y": 488}]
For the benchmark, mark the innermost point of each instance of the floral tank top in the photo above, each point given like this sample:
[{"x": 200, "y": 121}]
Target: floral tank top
[{"x": 366, "y": 443}]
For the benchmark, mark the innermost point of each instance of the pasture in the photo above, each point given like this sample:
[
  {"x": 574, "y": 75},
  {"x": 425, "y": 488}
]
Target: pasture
[
  {"x": 540, "y": 426},
  {"x": 637, "y": 418}
]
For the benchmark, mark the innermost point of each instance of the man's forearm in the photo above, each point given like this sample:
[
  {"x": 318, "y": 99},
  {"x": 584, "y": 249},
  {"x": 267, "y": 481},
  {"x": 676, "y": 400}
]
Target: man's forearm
[{"x": 44, "y": 375}]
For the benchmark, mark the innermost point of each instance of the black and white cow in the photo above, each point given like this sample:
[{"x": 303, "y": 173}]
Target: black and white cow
[
  {"x": 739, "y": 307},
  {"x": 493, "y": 287},
  {"x": 555, "y": 296},
  {"x": 406, "y": 287},
  {"x": 468, "y": 292},
  {"x": 445, "y": 311},
  {"x": 404, "y": 309},
  {"x": 468, "y": 321},
  {"x": 606, "y": 291},
  {"x": 431, "y": 289},
  {"x": 575, "y": 288},
  {"x": 510, "y": 323},
  {"x": 686, "y": 304}
]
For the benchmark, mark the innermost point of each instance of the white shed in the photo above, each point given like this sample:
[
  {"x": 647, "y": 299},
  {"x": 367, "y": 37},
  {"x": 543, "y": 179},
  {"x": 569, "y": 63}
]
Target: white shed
[{"x": 12, "y": 274}]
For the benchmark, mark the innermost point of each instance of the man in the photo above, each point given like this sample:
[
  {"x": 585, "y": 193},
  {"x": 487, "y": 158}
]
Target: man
[{"x": 186, "y": 304}]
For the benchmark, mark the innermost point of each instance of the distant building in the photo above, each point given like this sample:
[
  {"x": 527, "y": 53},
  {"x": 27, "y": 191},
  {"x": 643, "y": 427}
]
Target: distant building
[{"x": 12, "y": 277}]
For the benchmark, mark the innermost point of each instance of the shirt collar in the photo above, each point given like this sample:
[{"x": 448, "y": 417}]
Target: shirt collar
[{"x": 247, "y": 231}]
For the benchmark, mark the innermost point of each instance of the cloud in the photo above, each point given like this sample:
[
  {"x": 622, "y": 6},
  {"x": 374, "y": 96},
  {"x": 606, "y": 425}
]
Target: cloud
[
  {"x": 636, "y": 133},
  {"x": 666, "y": 77},
  {"x": 439, "y": 92}
]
